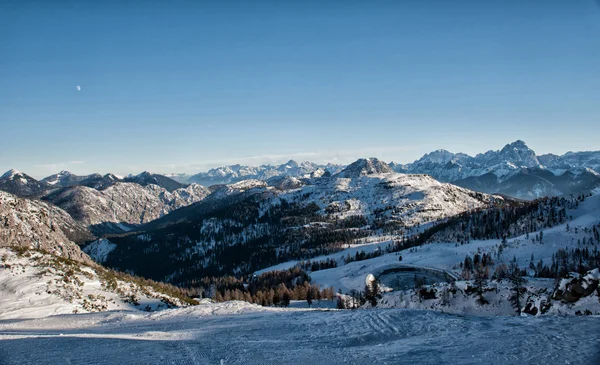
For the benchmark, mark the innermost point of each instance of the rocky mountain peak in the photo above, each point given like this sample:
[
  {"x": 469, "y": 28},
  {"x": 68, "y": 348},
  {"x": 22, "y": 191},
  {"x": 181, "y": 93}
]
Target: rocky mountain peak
[{"x": 365, "y": 166}]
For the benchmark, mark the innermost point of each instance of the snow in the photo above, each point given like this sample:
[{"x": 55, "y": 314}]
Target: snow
[
  {"x": 446, "y": 256},
  {"x": 10, "y": 174},
  {"x": 36, "y": 285},
  {"x": 99, "y": 249},
  {"x": 241, "y": 333}
]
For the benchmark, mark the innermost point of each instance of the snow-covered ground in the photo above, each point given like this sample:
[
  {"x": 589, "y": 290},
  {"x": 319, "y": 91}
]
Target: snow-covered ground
[
  {"x": 241, "y": 333},
  {"x": 448, "y": 256},
  {"x": 35, "y": 285}
]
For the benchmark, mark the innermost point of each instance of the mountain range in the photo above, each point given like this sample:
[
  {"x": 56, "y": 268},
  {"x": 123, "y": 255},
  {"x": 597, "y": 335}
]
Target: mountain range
[
  {"x": 515, "y": 170},
  {"x": 234, "y": 173},
  {"x": 106, "y": 203}
]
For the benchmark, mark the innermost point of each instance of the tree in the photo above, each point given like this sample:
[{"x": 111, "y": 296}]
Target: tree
[
  {"x": 372, "y": 292},
  {"x": 286, "y": 299},
  {"x": 481, "y": 277},
  {"x": 518, "y": 290}
]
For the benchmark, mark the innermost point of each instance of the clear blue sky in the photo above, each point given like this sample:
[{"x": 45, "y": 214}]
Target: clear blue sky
[{"x": 188, "y": 85}]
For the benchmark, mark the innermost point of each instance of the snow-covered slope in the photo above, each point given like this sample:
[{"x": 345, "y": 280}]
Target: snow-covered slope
[
  {"x": 35, "y": 284},
  {"x": 369, "y": 188},
  {"x": 123, "y": 202},
  {"x": 578, "y": 232},
  {"x": 240, "y": 333},
  {"x": 32, "y": 224}
]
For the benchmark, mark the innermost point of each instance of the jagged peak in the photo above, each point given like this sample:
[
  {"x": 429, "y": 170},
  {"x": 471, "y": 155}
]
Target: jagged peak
[
  {"x": 291, "y": 163},
  {"x": 518, "y": 144},
  {"x": 365, "y": 166}
]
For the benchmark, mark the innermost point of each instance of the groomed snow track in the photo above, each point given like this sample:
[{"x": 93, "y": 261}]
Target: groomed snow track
[{"x": 299, "y": 337}]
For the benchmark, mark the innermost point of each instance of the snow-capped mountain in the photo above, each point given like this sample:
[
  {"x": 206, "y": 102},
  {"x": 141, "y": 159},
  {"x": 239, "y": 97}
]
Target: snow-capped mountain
[
  {"x": 65, "y": 179},
  {"x": 147, "y": 178},
  {"x": 515, "y": 170},
  {"x": 32, "y": 224},
  {"x": 21, "y": 184},
  {"x": 234, "y": 173},
  {"x": 123, "y": 203},
  {"x": 364, "y": 167}
]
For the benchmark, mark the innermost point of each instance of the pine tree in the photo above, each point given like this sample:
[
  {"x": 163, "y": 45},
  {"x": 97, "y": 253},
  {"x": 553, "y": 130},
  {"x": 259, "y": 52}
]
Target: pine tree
[
  {"x": 518, "y": 290},
  {"x": 286, "y": 299},
  {"x": 480, "y": 282}
]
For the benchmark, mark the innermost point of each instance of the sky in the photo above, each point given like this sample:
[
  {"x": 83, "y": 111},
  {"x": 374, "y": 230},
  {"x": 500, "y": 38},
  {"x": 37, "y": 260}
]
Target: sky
[{"x": 183, "y": 86}]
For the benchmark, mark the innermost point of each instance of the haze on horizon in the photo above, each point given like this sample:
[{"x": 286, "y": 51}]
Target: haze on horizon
[{"x": 187, "y": 86}]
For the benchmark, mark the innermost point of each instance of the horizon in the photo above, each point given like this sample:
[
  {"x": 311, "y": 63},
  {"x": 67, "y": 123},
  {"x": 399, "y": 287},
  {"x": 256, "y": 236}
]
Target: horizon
[
  {"x": 185, "y": 87},
  {"x": 274, "y": 162}
]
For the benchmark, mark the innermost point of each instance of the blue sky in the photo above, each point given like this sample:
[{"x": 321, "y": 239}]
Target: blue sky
[{"x": 189, "y": 85}]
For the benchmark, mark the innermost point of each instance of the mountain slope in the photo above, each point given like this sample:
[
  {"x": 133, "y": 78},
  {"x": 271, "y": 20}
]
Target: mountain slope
[
  {"x": 32, "y": 224},
  {"x": 123, "y": 202}
]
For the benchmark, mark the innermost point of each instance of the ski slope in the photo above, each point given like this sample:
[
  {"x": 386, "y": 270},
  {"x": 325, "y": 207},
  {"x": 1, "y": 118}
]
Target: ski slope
[{"x": 241, "y": 333}]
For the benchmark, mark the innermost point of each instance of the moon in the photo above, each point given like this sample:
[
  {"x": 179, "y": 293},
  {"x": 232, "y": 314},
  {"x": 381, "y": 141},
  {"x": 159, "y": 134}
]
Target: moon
[{"x": 78, "y": 88}]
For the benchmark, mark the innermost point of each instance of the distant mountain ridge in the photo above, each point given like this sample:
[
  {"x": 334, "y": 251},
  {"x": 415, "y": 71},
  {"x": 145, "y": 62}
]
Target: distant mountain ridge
[
  {"x": 106, "y": 203},
  {"x": 515, "y": 170},
  {"x": 234, "y": 173},
  {"x": 21, "y": 184},
  {"x": 147, "y": 178}
]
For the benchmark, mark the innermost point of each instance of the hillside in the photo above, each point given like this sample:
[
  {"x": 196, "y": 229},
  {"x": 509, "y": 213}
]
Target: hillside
[
  {"x": 240, "y": 227},
  {"x": 122, "y": 203},
  {"x": 551, "y": 239},
  {"x": 43, "y": 272},
  {"x": 36, "y": 284}
]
